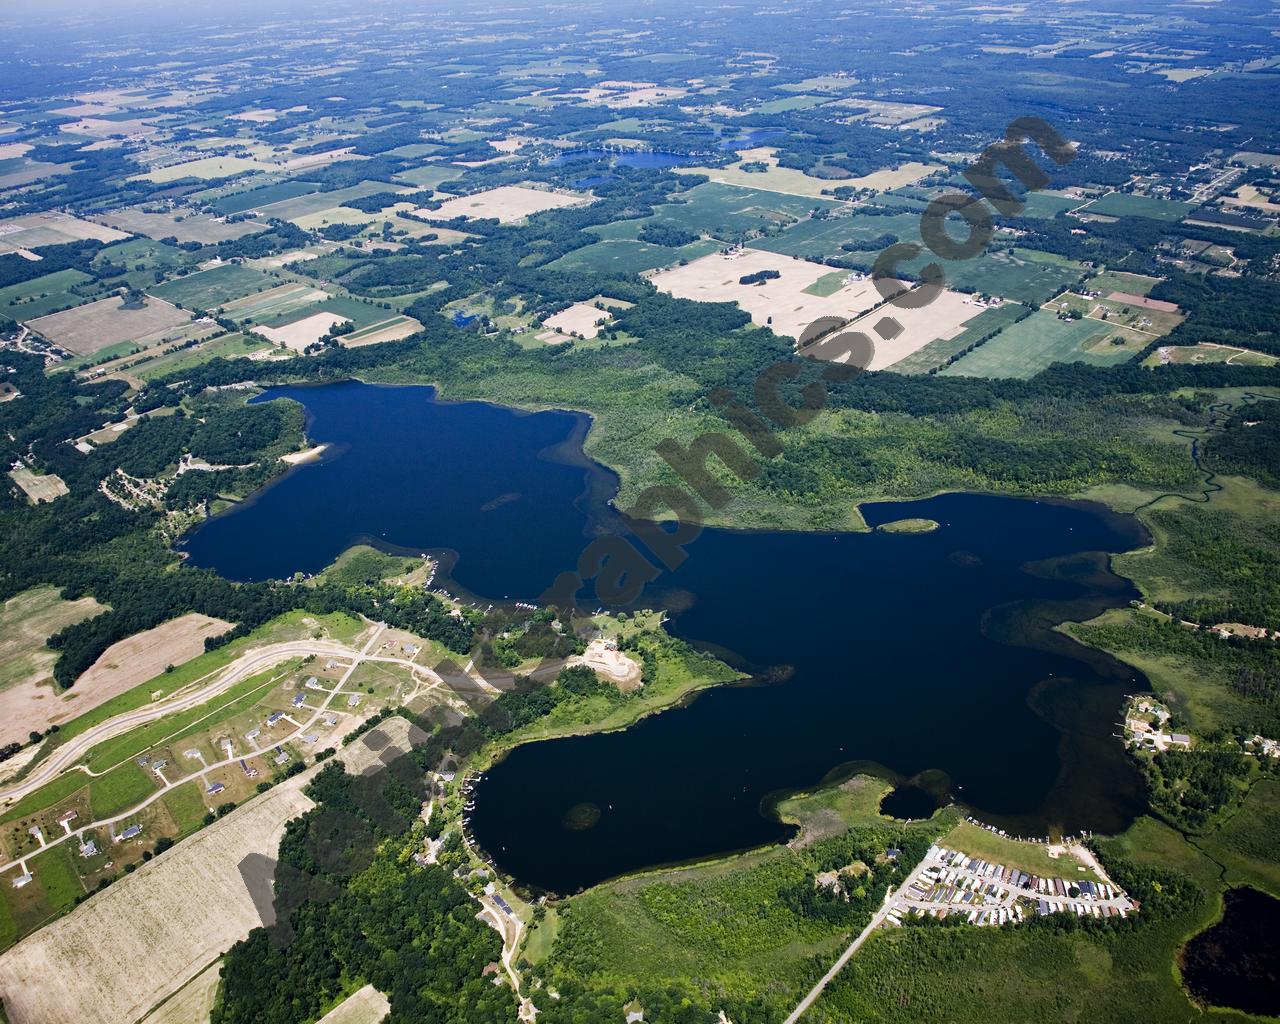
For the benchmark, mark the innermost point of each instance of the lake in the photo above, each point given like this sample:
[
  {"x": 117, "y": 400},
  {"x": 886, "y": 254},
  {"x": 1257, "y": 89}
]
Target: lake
[
  {"x": 1236, "y": 962},
  {"x": 897, "y": 653}
]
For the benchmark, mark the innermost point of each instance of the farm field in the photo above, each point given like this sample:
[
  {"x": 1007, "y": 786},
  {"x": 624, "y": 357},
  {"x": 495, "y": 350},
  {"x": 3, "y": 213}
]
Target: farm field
[
  {"x": 191, "y": 227},
  {"x": 429, "y": 175},
  {"x": 629, "y": 257},
  {"x": 824, "y": 237},
  {"x": 1123, "y": 204},
  {"x": 211, "y": 289},
  {"x": 316, "y": 202},
  {"x": 728, "y": 213},
  {"x": 257, "y": 198},
  {"x": 88, "y": 329},
  {"x": 365, "y": 1006},
  {"x": 1033, "y": 344},
  {"x": 1118, "y": 281},
  {"x": 156, "y": 919},
  {"x": 43, "y": 295},
  {"x": 134, "y": 660},
  {"x": 1025, "y": 275},
  {"x": 790, "y": 181},
  {"x": 229, "y": 346},
  {"x": 193, "y": 1003},
  {"x": 274, "y": 302},
  {"x": 27, "y": 693},
  {"x": 207, "y": 167},
  {"x": 297, "y": 335},
  {"x": 33, "y": 230},
  {"x": 937, "y": 352},
  {"x": 944, "y": 318},
  {"x": 1048, "y": 204},
  {"x": 508, "y": 204},
  {"x": 580, "y": 318},
  {"x": 781, "y": 303}
]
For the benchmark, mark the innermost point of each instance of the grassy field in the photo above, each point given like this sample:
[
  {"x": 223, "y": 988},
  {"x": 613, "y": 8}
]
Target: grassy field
[
  {"x": 1033, "y": 344},
  {"x": 726, "y": 212},
  {"x": 43, "y": 295},
  {"x": 824, "y": 237},
  {"x": 362, "y": 314},
  {"x": 209, "y": 289},
  {"x": 629, "y": 257},
  {"x": 1246, "y": 844},
  {"x": 229, "y": 346},
  {"x": 1030, "y": 857},
  {"x": 1118, "y": 281},
  {"x": 254, "y": 199},
  {"x": 1122, "y": 204},
  {"x": 939, "y": 351},
  {"x": 27, "y": 620}
]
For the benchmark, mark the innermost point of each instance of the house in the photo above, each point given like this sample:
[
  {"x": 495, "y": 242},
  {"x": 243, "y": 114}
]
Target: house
[
  {"x": 353, "y": 700},
  {"x": 132, "y": 832},
  {"x": 22, "y": 879},
  {"x": 330, "y": 719},
  {"x": 282, "y": 758},
  {"x": 1179, "y": 739},
  {"x": 299, "y": 700},
  {"x": 68, "y": 816},
  {"x": 88, "y": 848},
  {"x": 253, "y": 734},
  {"x": 274, "y": 717}
]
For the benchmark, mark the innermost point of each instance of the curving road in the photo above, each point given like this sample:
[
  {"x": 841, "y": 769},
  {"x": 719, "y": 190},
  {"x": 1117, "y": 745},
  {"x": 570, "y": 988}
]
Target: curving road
[{"x": 242, "y": 668}]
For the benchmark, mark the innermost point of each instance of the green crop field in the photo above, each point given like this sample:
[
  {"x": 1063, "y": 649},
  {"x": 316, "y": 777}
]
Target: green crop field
[
  {"x": 255, "y": 199},
  {"x": 825, "y": 237},
  {"x": 1025, "y": 275},
  {"x": 727, "y": 211},
  {"x": 1122, "y": 204},
  {"x": 1048, "y": 204},
  {"x": 362, "y": 314},
  {"x": 229, "y": 346},
  {"x": 209, "y": 289},
  {"x": 317, "y": 202},
  {"x": 624, "y": 256},
  {"x": 43, "y": 295},
  {"x": 940, "y": 350},
  {"x": 1036, "y": 343},
  {"x": 1118, "y": 281}
]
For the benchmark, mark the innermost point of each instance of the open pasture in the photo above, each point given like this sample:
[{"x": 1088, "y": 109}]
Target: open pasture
[
  {"x": 33, "y": 230},
  {"x": 258, "y": 198},
  {"x": 274, "y": 302},
  {"x": 781, "y": 303},
  {"x": 1117, "y": 281},
  {"x": 185, "y": 227},
  {"x": 1124, "y": 204},
  {"x": 42, "y": 295},
  {"x": 317, "y": 202},
  {"x": 729, "y": 213},
  {"x": 95, "y": 326},
  {"x": 1024, "y": 275},
  {"x": 1120, "y": 310},
  {"x": 508, "y": 204},
  {"x": 1034, "y": 344},
  {"x": 214, "y": 288},
  {"x": 938, "y": 351},
  {"x": 823, "y": 237},
  {"x": 207, "y": 167},
  {"x": 1208, "y": 352},
  {"x": 628, "y": 257},
  {"x": 229, "y": 346}
]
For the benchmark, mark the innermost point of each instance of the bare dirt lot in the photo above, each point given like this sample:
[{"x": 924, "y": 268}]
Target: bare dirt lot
[
  {"x": 153, "y": 930},
  {"x": 507, "y": 203},
  {"x": 38, "y": 487},
  {"x": 781, "y": 303},
  {"x": 97, "y": 325},
  {"x": 143, "y": 656}
]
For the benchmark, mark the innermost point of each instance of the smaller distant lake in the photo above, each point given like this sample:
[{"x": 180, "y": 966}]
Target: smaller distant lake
[
  {"x": 752, "y": 138},
  {"x": 649, "y": 160},
  {"x": 908, "y": 803},
  {"x": 592, "y": 180},
  {"x": 1236, "y": 963}
]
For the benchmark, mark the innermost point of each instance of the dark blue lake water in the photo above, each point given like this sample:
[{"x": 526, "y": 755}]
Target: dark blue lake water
[
  {"x": 652, "y": 161},
  {"x": 896, "y": 652},
  {"x": 752, "y": 137}
]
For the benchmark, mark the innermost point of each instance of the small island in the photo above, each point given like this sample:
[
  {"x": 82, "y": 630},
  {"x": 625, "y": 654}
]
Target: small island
[{"x": 908, "y": 526}]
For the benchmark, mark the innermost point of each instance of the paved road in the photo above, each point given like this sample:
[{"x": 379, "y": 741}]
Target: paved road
[
  {"x": 242, "y": 668},
  {"x": 852, "y": 948}
]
